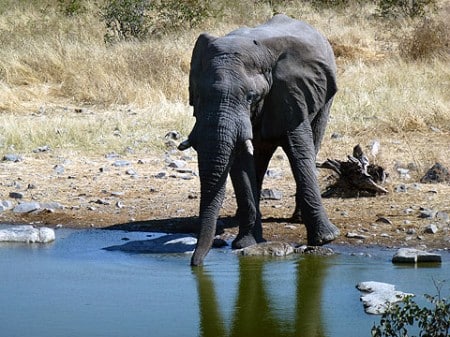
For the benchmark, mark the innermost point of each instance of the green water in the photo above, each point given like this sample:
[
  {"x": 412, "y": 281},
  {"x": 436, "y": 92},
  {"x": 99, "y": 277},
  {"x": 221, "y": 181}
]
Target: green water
[{"x": 74, "y": 288}]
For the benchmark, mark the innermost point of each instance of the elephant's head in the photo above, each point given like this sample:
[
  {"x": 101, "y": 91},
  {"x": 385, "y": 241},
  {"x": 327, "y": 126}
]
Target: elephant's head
[
  {"x": 243, "y": 82},
  {"x": 229, "y": 79}
]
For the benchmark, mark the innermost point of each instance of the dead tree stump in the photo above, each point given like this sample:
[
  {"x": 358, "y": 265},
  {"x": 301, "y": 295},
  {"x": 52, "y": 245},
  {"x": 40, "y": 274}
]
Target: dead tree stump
[{"x": 355, "y": 177}]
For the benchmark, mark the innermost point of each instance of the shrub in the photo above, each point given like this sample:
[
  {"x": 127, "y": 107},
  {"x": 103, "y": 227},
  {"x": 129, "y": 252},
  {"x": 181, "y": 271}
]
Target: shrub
[
  {"x": 71, "y": 7},
  {"x": 175, "y": 14},
  {"x": 406, "y": 8},
  {"x": 432, "y": 322},
  {"x": 335, "y": 4},
  {"x": 126, "y": 19},
  {"x": 137, "y": 19},
  {"x": 429, "y": 38}
]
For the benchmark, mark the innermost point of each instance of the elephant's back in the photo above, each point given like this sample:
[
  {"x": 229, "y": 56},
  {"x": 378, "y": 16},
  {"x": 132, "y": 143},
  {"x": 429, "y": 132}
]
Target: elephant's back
[{"x": 279, "y": 26}]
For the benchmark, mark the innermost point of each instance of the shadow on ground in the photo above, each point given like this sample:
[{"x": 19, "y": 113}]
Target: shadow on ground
[{"x": 185, "y": 225}]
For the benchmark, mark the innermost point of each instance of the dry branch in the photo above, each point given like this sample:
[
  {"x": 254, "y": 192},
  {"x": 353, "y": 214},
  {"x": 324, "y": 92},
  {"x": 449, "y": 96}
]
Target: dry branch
[{"x": 355, "y": 177}]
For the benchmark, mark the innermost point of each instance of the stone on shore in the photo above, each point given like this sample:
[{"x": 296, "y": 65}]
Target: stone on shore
[
  {"x": 27, "y": 234},
  {"x": 411, "y": 255},
  {"x": 167, "y": 244},
  {"x": 26, "y": 207},
  {"x": 378, "y": 296},
  {"x": 273, "y": 248}
]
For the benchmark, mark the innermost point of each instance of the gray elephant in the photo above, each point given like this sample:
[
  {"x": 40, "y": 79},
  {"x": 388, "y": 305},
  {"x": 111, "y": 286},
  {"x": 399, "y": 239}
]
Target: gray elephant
[{"x": 253, "y": 90}]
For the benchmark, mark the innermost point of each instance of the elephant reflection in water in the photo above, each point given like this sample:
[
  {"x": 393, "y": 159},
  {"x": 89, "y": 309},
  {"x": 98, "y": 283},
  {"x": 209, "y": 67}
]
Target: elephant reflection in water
[{"x": 254, "y": 315}]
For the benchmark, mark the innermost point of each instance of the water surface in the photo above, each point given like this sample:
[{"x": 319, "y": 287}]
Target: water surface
[{"x": 74, "y": 288}]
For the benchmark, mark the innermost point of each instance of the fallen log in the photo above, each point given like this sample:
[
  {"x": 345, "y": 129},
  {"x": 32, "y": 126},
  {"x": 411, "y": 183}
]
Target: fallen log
[{"x": 355, "y": 177}]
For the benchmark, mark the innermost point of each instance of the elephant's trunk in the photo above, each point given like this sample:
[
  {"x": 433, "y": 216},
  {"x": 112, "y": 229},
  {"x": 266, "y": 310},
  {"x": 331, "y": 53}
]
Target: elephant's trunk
[{"x": 215, "y": 152}]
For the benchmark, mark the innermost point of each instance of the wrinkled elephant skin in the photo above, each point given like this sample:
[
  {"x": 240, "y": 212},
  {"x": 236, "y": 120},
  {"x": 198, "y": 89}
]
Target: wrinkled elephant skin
[{"x": 253, "y": 90}]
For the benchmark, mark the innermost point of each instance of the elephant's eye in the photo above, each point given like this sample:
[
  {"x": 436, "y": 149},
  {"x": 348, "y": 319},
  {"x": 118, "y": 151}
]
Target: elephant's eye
[{"x": 252, "y": 97}]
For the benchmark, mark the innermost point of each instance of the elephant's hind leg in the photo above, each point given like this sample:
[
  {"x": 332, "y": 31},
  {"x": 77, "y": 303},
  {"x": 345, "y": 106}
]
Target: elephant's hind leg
[{"x": 299, "y": 148}]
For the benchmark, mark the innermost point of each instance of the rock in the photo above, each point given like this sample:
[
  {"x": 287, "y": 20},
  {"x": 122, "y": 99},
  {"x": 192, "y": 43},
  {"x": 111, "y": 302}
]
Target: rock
[
  {"x": 436, "y": 174},
  {"x": 431, "y": 229},
  {"x": 5, "y": 205},
  {"x": 117, "y": 193},
  {"x": 131, "y": 172},
  {"x": 51, "y": 206},
  {"x": 16, "y": 195},
  {"x": 174, "y": 135},
  {"x": 411, "y": 255},
  {"x": 44, "y": 148},
  {"x": 426, "y": 213},
  {"x": 401, "y": 188},
  {"x": 271, "y": 248},
  {"x": 374, "y": 148},
  {"x": 293, "y": 227},
  {"x": 314, "y": 250},
  {"x": 160, "y": 175},
  {"x": 27, "y": 234},
  {"x": 177, "y": 164},
  {"x": 167, "y": 244},
  {"x": 352, "y": 235},
  {"x": 184, "y": 170},
  {"x": 112, "y": 155},
  {"x": 273, "y": 174},
  {"x": 58, "y": 169},
  {"x": 12, "y": 157},
  {"x": 271, "y": 194},
  {"x": 121, "y": 163},
  {"x": 408, "y": 211},
  {"x": 378, "y": 296},
  {"x": 403, "y": 173},
  {"x": 26, "y": 207},
  {"x": 101, "y": 202},
  {"x": 442, "y": 216},
  {"x": 384, "y": 220}
]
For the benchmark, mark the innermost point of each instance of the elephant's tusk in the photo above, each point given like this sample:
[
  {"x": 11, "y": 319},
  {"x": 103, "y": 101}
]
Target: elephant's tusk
[
  {"x": 184, "y": 145},
  {"x": 249, "y": 146}
]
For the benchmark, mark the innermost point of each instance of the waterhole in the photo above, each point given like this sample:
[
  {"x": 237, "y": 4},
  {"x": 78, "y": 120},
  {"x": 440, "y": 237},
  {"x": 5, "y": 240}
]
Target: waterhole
[{"x": 73, "y": 287}]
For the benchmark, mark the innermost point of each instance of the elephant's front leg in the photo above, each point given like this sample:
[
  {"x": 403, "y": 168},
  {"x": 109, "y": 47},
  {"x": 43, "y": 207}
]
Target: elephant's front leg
[
  {"x": 299, "y": 147},
  {"x": 243, "y": 177}
]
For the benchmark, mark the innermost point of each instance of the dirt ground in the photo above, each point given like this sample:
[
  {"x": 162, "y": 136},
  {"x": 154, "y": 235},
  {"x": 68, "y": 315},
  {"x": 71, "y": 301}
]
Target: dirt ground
[{"x": 155, "y": 197}]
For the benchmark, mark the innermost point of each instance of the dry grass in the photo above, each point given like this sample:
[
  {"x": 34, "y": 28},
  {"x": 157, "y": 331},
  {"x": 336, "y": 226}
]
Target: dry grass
[{"x": 133, "y": 92}]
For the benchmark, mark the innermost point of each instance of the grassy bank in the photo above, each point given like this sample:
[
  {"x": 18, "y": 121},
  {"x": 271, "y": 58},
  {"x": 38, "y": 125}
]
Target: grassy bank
[{"x": 61, "y": 85}]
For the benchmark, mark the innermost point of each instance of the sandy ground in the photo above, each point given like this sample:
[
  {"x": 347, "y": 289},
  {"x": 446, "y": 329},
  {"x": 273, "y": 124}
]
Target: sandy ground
[{"x": 95, "y": 193}]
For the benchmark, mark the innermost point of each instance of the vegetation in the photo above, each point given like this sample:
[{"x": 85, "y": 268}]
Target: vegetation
[
  {"x": 400, "y": 319},
  {"x": 54, "y": 61},
  {"x": 395, "y": 8}
]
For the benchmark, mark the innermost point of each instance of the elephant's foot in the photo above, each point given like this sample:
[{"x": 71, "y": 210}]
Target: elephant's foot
[
  {"x": 322, "y": 235},
  {"x": 257, "y": 233},
  {"x": 243, "y": 241}
]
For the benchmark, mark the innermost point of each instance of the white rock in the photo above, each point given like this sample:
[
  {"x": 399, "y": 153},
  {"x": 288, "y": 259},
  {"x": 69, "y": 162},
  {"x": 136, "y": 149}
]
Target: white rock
[
  {"x": 411, "y": 255},
  {"x": 379, "y": 295},
  {"x": 167, "y": 244},
  {"x": 26, "y": 207},
  {"x": 5, "y": 205},
  {"x": 27, "y": 234}
]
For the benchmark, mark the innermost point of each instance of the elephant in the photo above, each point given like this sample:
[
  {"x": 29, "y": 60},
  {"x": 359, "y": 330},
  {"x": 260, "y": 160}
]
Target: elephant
[{"x": 252, "y": 91}]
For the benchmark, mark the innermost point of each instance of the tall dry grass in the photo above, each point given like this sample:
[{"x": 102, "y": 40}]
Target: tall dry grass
[{"x": 133, "y": 92}]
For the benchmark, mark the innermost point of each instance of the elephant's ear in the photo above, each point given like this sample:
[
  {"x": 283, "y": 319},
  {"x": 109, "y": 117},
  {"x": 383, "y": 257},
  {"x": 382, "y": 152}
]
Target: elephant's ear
[
  {"x": 302, "y": 85},
  {"x": 198, "y": 56}
]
